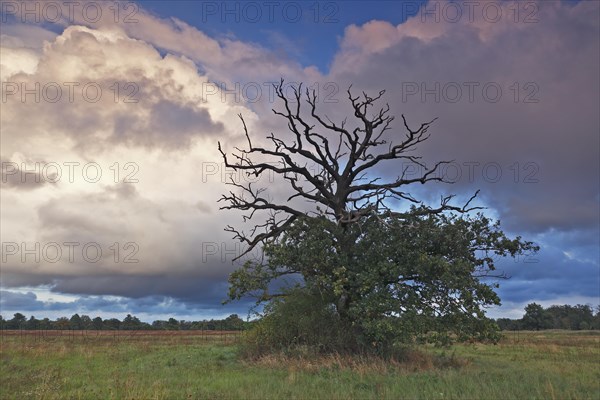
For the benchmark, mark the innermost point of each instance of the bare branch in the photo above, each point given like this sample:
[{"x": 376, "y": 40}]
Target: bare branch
[{"x": 346, "y": 196}]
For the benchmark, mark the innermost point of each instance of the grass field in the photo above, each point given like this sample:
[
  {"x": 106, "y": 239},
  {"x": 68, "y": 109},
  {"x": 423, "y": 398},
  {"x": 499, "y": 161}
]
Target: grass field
[{"x": 193, "y": 365}]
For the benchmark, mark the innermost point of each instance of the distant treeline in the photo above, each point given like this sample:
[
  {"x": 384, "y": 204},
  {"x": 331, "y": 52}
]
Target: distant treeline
[
  {"x": 20, "y": 321},
  {"x": 579, "y": 317}
]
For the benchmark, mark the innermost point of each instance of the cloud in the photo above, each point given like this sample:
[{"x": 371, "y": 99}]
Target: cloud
[
  {"x": 224, "y": 58},
  {"x": 148, "y": 308},
  {"x": 20, "y": 176},
  {"x": 19, "y": 301},
  {"x": 547, "y": 149},
  {"x": 124, "y": 208},
  {"x": 91, "y": 80}
]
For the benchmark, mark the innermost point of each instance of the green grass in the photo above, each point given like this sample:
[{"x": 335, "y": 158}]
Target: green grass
[{"x": 548, "y": 365}]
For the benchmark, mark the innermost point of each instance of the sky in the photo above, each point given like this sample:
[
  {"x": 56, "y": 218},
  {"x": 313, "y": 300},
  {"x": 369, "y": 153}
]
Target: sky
[{"x": 111, "y": 113}]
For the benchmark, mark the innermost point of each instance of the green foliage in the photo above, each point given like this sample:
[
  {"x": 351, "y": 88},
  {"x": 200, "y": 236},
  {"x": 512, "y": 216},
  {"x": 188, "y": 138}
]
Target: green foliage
[
  {"x": 130, "y": 322},
  {"x": 75, "y": 322},
  {"x": 97, "y": 323},
  {"x": 579, "y": 317},
  {"x": 572, "y": 317},
  {"x": 410, "y": 279},
  {"x": 299, "y": 322},
  {"x": 17, "y": 322},
  {"x": 535, "y": 317}
]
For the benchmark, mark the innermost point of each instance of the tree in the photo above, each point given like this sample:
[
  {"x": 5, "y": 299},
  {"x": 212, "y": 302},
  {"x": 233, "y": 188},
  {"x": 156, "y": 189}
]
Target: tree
[
  {"x": 507, "y": 324},
  {"x": 45, "y": 323},
  {"x": 17, "y": 322},
  {"x": 159, "y": 325},
  {"x": 583, "y": 317},
  {"x": 131, "y": 323},
  {"x": 173, "y": 324},
  {"x": 86, "y": 322},
  {"x": 233, "y": 323},
  {"x": 386, "y": 272},
  {"x": 97, "y": 323},
  {"x": 112, "y": 324},
  {"x": 32, "y": 323},
  {"x": 75, "y": 322},
  {"x": 535, "y": 317},
  {"x": 62, "y": 323}
]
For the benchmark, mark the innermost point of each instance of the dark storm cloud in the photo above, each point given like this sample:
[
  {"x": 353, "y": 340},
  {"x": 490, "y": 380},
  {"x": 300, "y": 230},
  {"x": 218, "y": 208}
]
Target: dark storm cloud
[
  {"x": 21, "y": 176},
  {"x": 13, "y": 301},
  {"x": 558, "y": 270},
  {"x": 190, "y": 287},
  {"x": 554, "y": 139},
  {"x": 206, "y": 284},
  {"x": 19, "y": 301},
  {"x": 546, "y": 151}
]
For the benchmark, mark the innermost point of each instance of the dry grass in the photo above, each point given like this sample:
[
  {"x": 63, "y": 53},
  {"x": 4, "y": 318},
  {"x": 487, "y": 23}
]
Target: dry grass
[{"x": 411, "y": 360}]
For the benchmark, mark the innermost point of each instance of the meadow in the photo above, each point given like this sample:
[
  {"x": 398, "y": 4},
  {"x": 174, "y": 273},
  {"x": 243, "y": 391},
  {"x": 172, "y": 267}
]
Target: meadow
[{"x": 199, "y": 365}]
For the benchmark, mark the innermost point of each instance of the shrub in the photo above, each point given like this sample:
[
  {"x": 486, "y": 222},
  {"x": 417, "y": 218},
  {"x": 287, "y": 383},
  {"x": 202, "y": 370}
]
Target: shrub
[{"x": 301, "y": 323}]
